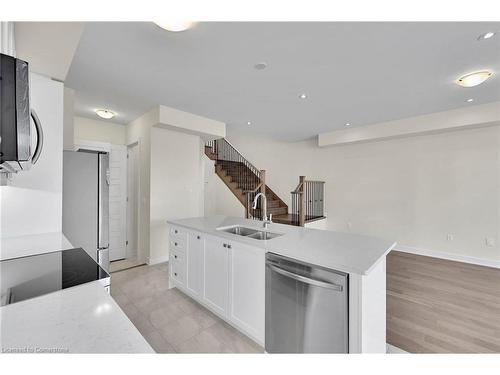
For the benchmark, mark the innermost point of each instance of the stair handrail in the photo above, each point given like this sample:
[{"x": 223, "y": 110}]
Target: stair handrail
[
  {"x": 246, "y": 162},
  {"x": 253, "y": 190},
  {"x": 298, "y": 189}
]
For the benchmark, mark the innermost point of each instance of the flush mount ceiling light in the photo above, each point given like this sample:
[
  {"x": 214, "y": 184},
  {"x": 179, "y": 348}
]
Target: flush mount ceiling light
[
  {"x": 175, "y": 25},
  {"x": 302, "y": 96},
  {"x": 474, "y": 79},
  {"x": 347, "y": 124},
  {"x": 485, "y": 36},
  {"x": 105, "y": 113},
  {"x": 260, "y": 66},
  {"x": 249, "y": 123},
  {"x": 469, "y": 100}
]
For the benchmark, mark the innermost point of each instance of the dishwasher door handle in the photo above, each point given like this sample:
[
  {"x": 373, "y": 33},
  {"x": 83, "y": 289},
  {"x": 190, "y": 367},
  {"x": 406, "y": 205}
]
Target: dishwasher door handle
[{"x": 307, "y": 280}]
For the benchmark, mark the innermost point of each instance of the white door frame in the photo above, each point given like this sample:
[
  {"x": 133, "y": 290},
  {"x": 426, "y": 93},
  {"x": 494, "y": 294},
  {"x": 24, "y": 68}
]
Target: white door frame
[
  {"x": 140, "y": 252},
  {"x": 92, "y": 145}
]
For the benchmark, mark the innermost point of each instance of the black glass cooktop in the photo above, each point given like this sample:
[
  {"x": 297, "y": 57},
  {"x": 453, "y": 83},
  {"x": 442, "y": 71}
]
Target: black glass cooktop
[{"x": 33, "y": 276}]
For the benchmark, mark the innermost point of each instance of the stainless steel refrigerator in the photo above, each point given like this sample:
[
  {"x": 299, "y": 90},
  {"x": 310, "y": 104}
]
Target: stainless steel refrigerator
[{"x": 86, "y": 202}]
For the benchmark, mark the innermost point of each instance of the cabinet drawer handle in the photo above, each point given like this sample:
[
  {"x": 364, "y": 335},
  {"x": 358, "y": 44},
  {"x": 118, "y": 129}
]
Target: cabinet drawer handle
[
  {"x": 198, "y": 237},
  {"x": 175, "y": 273},
  {"x": 175, "y": 256},
  {"x": 176, "y": 231},
  {"x": 225, "y": 245},
  {"x": 228, "y": 246},
  {"x": 175, "y": 243}
]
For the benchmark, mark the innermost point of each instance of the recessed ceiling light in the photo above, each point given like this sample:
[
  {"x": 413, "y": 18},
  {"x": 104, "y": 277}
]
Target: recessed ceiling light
[
  {"x": 470, "y": 100},
  {"x": 260, "y": 66},
  {"x": 105, "y": 113},
  {"x": 303, "y": 96},
  {"x": 474, "y": 79},
  {"x": 347, "y": 124},
  {"x": 175, "y": 25},
  {"x": 249, "y": 123},
  {"x": 487, "y": 35}
]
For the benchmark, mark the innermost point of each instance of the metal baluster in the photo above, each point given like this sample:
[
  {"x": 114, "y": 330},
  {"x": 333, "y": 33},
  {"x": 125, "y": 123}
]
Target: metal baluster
[
  {"x": 315, "y": 207},
  {"x": 307, "y": 198}
]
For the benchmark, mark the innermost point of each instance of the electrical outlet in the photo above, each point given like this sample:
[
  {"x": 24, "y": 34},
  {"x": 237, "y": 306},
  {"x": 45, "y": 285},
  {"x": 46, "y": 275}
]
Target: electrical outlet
[
  {"x": 449, "y": 237},
  {"x": 490, "y": 241}
]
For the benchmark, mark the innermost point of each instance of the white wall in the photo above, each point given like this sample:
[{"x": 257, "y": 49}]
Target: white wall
[
  {"x": 32, "y": 203},
  {"x": 185, "y": 131},
  {"x": 69, "y": 121},
  {"x": 414, "y": 190},
  {"x": 176, "y": 184},
  {"x": 218, "y": 198},
  {"x": 99, "y": 131}
]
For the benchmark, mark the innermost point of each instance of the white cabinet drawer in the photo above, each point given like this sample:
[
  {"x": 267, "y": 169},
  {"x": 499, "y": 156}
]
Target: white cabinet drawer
[
  {"x": 178, "y": 266},
  {"x": 178, "y": 233},
  {"x": 178, "y": 273},
  {"x": 178, "y": 244},
  {"x": 177, "y": 256}
]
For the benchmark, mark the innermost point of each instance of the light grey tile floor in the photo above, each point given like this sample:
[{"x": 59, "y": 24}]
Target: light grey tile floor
[{"x": 169, "y": 320}]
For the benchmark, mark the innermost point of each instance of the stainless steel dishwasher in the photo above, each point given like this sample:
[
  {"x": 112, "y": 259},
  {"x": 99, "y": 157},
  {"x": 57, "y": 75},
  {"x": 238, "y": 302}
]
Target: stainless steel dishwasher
[{"x": 306, "y": 307}]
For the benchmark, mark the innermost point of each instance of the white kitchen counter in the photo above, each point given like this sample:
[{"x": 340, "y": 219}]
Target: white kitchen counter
[
  {"x": 82, "y": 319},
  {"x": 20, "y": 246},
  {"x": 345, "y": 252}
]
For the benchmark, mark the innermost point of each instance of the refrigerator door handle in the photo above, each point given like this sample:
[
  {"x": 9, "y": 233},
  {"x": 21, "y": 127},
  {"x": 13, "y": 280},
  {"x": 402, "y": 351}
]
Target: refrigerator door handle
[{"x": 103, "y": 230}]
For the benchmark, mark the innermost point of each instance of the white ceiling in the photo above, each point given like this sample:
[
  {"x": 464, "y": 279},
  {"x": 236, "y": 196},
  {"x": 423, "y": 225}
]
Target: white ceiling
[
  {"x": 48, "y": 46},
  {"x": 361, "y": 73}
]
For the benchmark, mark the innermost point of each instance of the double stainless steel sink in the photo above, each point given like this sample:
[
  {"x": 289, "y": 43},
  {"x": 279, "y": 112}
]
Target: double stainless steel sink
[{"x": 250, "y": 232}]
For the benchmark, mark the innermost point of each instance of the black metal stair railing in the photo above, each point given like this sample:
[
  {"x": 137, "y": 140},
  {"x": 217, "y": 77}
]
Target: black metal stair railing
[
  {"x": 308, "y": 201},
  {"x": 244, "y": 173}
]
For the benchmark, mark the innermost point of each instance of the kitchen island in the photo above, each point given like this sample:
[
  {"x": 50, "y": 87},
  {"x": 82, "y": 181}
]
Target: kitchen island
[
  {"x": 82, "y": 319},
  {"x": 48, "y": 304},
  {"x": 226, "y": 271}
]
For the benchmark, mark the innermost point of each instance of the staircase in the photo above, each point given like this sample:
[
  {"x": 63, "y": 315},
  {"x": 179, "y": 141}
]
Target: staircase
[{"x": 245, "y": 181}]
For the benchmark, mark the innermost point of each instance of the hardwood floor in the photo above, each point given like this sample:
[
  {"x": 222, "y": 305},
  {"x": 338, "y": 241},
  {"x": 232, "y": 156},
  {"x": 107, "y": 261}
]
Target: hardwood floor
[{"x": 441, "y": 306}]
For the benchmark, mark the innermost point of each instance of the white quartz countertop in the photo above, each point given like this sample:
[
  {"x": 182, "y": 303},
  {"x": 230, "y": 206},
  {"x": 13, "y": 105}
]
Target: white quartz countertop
[
  {"x": 344, "y": 252},
  {"x": 82, "y": 319},
  {"x": 32, "y": 244}
]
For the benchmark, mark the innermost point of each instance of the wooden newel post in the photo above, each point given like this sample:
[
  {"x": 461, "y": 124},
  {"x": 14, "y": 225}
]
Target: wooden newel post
[
  {"x": 263, "y": 191},
  {"x": 302, "y": 202}
]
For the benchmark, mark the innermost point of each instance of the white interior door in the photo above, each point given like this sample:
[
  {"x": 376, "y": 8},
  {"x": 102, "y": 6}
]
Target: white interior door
[
  {"x": 117, "y": 202},
  {"x": 133, "y": 199}
]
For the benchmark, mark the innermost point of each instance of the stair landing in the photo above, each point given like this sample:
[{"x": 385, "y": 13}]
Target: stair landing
[{"x": 293, "y": 219}]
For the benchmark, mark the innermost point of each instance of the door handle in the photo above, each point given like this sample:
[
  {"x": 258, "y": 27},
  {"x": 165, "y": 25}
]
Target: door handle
[
  {"x": 39, "y": 137},
  {"x": 307, "y": 280}
]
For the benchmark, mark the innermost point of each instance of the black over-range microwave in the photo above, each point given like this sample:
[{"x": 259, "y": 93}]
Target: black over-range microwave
[{"x": 18, "y": 148}]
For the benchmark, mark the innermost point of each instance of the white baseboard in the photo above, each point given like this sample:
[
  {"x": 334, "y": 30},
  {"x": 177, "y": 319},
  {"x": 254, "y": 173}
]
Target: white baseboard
[
  {"x": 391, "y": 349},
  {"x": 162, "y": 259},
  {"x": 449, "y": 256}
]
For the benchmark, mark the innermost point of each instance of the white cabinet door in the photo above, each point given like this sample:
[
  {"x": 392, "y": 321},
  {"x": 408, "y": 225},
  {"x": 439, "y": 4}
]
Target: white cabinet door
[
  {"x": 195, "y": 250},
  {"x": 247, "y": 289},
  {"x": 216, "y": 274}
]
